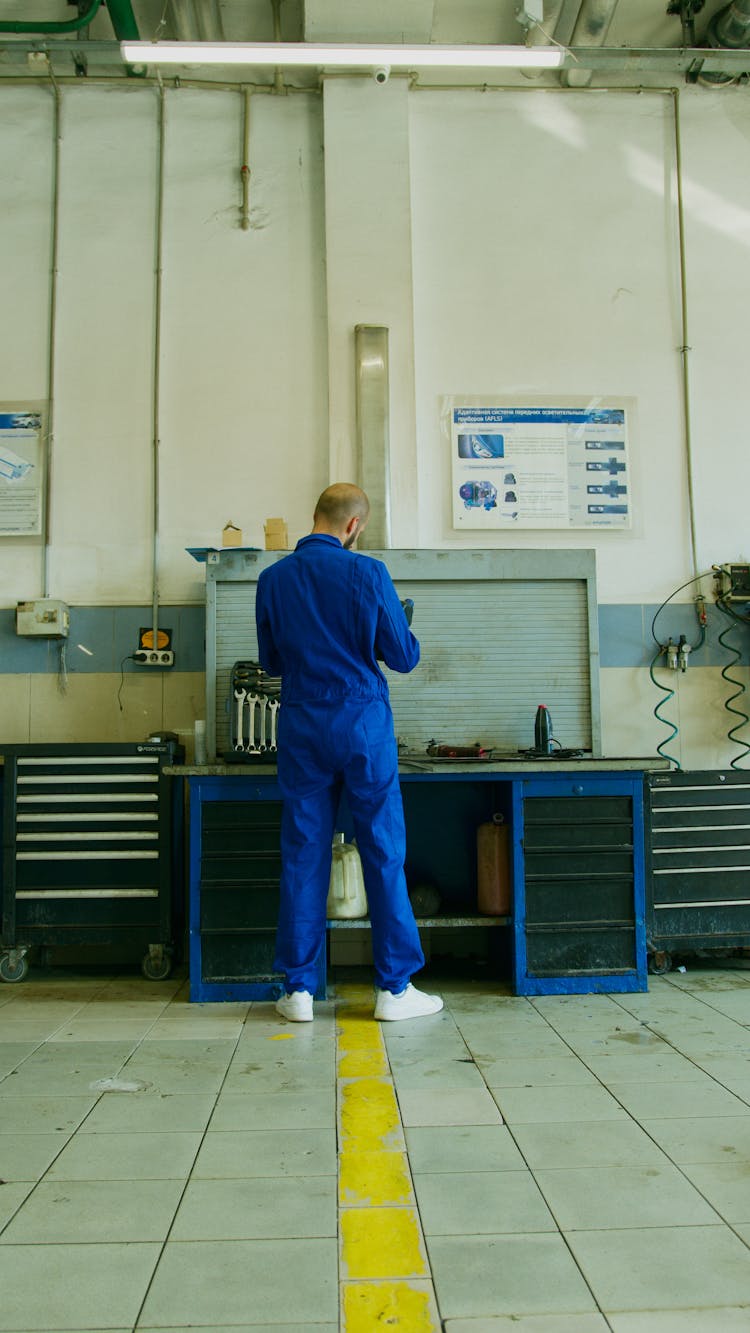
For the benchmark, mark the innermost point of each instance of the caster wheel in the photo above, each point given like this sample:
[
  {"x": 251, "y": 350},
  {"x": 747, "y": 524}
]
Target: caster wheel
[
  {"x": 660, "y": 963},
  {"x": 156, "y": 969},
  {"x": 13, "y": 971}
]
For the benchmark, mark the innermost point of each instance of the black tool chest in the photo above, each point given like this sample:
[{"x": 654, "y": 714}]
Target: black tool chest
[
  {"x": 87, "y": 851},
  {"x": 583, "y": 898},
  {"x": 240, "y": 870},
  {"x": 698, "y": 862}
]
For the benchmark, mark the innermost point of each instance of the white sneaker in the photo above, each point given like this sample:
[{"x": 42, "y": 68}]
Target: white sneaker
[
  {"x": 297, "y": 1007},
  {"x": 411, "y": 1003}
]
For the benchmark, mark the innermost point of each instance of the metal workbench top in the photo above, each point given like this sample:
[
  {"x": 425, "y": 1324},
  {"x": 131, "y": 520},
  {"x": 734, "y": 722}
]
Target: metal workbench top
[{"x": 448, "y": 767}]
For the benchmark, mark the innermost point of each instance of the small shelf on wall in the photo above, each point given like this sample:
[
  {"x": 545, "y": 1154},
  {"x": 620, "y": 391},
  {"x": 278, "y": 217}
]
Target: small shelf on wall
[{"x": 449, "y": 922}]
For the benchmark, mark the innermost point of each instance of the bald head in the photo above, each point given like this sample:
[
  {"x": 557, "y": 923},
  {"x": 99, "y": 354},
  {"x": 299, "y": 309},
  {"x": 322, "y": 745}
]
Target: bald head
[{"x": 342, "y": 511}]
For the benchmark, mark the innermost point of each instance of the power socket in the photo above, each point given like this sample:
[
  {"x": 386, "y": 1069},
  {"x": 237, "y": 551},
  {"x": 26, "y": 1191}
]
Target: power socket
[{"x": 159, "y": 657}]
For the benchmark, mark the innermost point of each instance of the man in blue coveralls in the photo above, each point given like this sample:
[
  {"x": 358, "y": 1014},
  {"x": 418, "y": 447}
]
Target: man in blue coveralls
[{"x": 325, "y": 616}]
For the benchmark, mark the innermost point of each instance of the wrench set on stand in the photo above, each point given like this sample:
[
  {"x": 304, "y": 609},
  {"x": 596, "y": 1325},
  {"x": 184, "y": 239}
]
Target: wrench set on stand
[{"x": 253, "y": 707}]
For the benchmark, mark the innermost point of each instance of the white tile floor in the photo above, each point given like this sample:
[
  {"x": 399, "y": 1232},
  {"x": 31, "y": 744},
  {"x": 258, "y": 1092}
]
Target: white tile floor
[{"x": 575, "y": 1164}]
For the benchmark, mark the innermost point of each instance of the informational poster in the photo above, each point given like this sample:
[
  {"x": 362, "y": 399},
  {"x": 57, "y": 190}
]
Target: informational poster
[
  {"x": 21, "y": 479},
  {"x": 540, "y": 464}
]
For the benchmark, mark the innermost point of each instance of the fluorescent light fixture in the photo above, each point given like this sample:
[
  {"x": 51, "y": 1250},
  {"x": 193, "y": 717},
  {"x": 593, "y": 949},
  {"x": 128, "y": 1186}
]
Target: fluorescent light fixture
[{"x": 341, "y": 56}]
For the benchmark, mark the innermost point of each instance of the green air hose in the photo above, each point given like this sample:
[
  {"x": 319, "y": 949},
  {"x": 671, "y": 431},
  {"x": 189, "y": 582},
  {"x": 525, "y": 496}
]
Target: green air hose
[
  {"x": 732, "y": 680},
  {"x": 664, "y": 720}
]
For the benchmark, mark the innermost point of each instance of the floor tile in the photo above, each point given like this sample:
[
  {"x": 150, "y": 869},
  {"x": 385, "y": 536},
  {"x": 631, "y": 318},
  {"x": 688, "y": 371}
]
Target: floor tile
[
  {"x": 725, "y": 1319},
  {"x": 652, "y": 1101},
  {"x": 13, "y": 1053},
  {"x": 202, "y": 1284},
  {"x": 28, "y": 1156},
  {"x": 253, "y": 1328},
  {"x": 535, "y": 1105},
  {"x": 589, "y": 1143},
  {"x": 667, "y": 1067},
  {"x": 489, "y": 1275},
  {"x": 126, "y": 1157},
  {"x": 149, "y": 1111},
  {"x": 92, "y": 1211},
  {"x": 379, "y": 1243},
  {"x": 227, "y": 1154},
  {"x": 664, "y": 1268},
  {"x": 462, "y": 1148},
  {"x": 408, "y": 1305},
  {"x": 84, "y": 1287},
  {"x": 589, "y": 1198},
  {"x": 39, "y": 1115},
  {"x": 531, "y": 1323},
  {"x": 434, "y": 1076},
  {"x": 716, "y": 1139},
  {"x": 12, "y": 1195},
  {"x": 473, "y": 1106},
  {"x": 726, "y": 1186},
  {"x": 564, "y": 1070},
  {"x": 481, "y": 1203},
  {"x": 257, "y": 1209},
  {"x": 315, "y": 1109}
]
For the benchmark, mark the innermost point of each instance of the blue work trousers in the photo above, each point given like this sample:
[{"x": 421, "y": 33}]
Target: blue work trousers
[{"x": 324, "y": 748}]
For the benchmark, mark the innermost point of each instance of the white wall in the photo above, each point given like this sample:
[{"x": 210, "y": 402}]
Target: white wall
[
  {"x": 542, "y": 254},
  {"x": 243, "y": 425}
]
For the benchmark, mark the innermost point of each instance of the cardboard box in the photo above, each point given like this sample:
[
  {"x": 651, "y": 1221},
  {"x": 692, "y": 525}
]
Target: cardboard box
[
  {"x": 231, "y": 535},
  {"x": 277, "y": 535}
]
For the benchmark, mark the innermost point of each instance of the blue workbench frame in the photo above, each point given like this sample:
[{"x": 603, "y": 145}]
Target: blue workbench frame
[{"x": 245, "y": 787}]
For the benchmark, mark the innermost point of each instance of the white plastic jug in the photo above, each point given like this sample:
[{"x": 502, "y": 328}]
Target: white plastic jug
[{"x": 346, "y": 890}]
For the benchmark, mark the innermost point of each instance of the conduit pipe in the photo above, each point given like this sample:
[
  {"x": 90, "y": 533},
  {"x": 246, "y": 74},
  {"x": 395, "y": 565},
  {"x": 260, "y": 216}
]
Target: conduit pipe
[
  {"x": 685, "y": 348},
  {"x": 245, "y": 167},
  {"x": 51, "y": 341},
  {"x": 156, "y": 404},
  {"x": 197, "y": 22},
  {"x": 591, "y": 28},
  {"x": 68, "y": 25}
]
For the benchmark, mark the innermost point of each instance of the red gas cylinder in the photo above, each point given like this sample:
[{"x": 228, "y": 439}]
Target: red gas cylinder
[{"x": 493, "y": 868}]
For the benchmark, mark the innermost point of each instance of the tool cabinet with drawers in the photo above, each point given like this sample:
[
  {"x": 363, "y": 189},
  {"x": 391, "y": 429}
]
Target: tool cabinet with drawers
[{"x": 88, "y": 837}]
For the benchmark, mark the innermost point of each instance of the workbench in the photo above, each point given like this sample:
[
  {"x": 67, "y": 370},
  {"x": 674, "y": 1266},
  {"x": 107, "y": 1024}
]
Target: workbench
[{"x": 577, "y": 923}]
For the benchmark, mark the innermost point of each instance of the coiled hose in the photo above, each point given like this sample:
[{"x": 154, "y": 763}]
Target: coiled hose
[
  {"x": 657, "y": 714},
  {"x": 740, "y": 690}
]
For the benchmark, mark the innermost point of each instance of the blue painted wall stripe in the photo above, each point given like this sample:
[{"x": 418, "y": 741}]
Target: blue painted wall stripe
[{"x": 102, "y": 638}]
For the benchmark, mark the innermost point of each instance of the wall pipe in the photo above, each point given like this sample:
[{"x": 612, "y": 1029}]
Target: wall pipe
[
  {"x": 156, "y": 416},
  {"x": 591, "y": 28},
  {"x": 52, "y": 339},
  {"x": 245, "y": 167},
  {"x": 68, "y": 25},
  {"x": 685, "y": 347}
]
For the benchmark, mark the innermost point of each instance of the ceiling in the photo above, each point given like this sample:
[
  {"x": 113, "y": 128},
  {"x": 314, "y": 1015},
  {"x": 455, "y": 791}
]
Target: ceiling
[{"x": 638, "y": 29}]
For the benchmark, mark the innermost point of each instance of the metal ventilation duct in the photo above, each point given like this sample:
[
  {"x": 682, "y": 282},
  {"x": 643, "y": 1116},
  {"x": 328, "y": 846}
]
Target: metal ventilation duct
[{"x": 591, "y": 28}]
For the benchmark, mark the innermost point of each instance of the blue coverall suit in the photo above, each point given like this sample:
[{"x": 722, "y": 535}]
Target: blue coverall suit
[{"x": 324, "y": 616}]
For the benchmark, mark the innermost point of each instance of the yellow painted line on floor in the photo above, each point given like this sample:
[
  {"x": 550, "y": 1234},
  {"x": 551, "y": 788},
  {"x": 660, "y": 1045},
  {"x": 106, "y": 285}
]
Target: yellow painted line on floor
[
  {"x": 369, "y": 1115},
  {"x": 384, "y": 1273},
  {"x": 362, "y": 1064},
  {"x": 381, "y": 1242},
  {"x": 282, "y": 1036},
  {"x": 393, "y": 1305},
  {"x": 373, "y": 1178}
]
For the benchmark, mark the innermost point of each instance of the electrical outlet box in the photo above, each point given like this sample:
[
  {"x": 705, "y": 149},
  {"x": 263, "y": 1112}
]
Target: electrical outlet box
[
  {"x": 733, "y": 583},
  {"x": 44, "y": 619},
  {"x": 154, "y": 657}
]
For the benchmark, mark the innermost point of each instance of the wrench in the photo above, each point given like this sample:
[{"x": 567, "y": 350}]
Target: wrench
[
  {"x": 240, "y": 696},
  {"x": 262, "y": 728},
  {"x": 274, "y": 707},
  {"x": 251, "y": 747}
]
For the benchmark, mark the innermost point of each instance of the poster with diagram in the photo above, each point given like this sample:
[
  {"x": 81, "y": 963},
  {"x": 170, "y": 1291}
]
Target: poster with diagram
[
  {"x": 539, "y": 463},
  {"x": 21, "y": 479}
]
